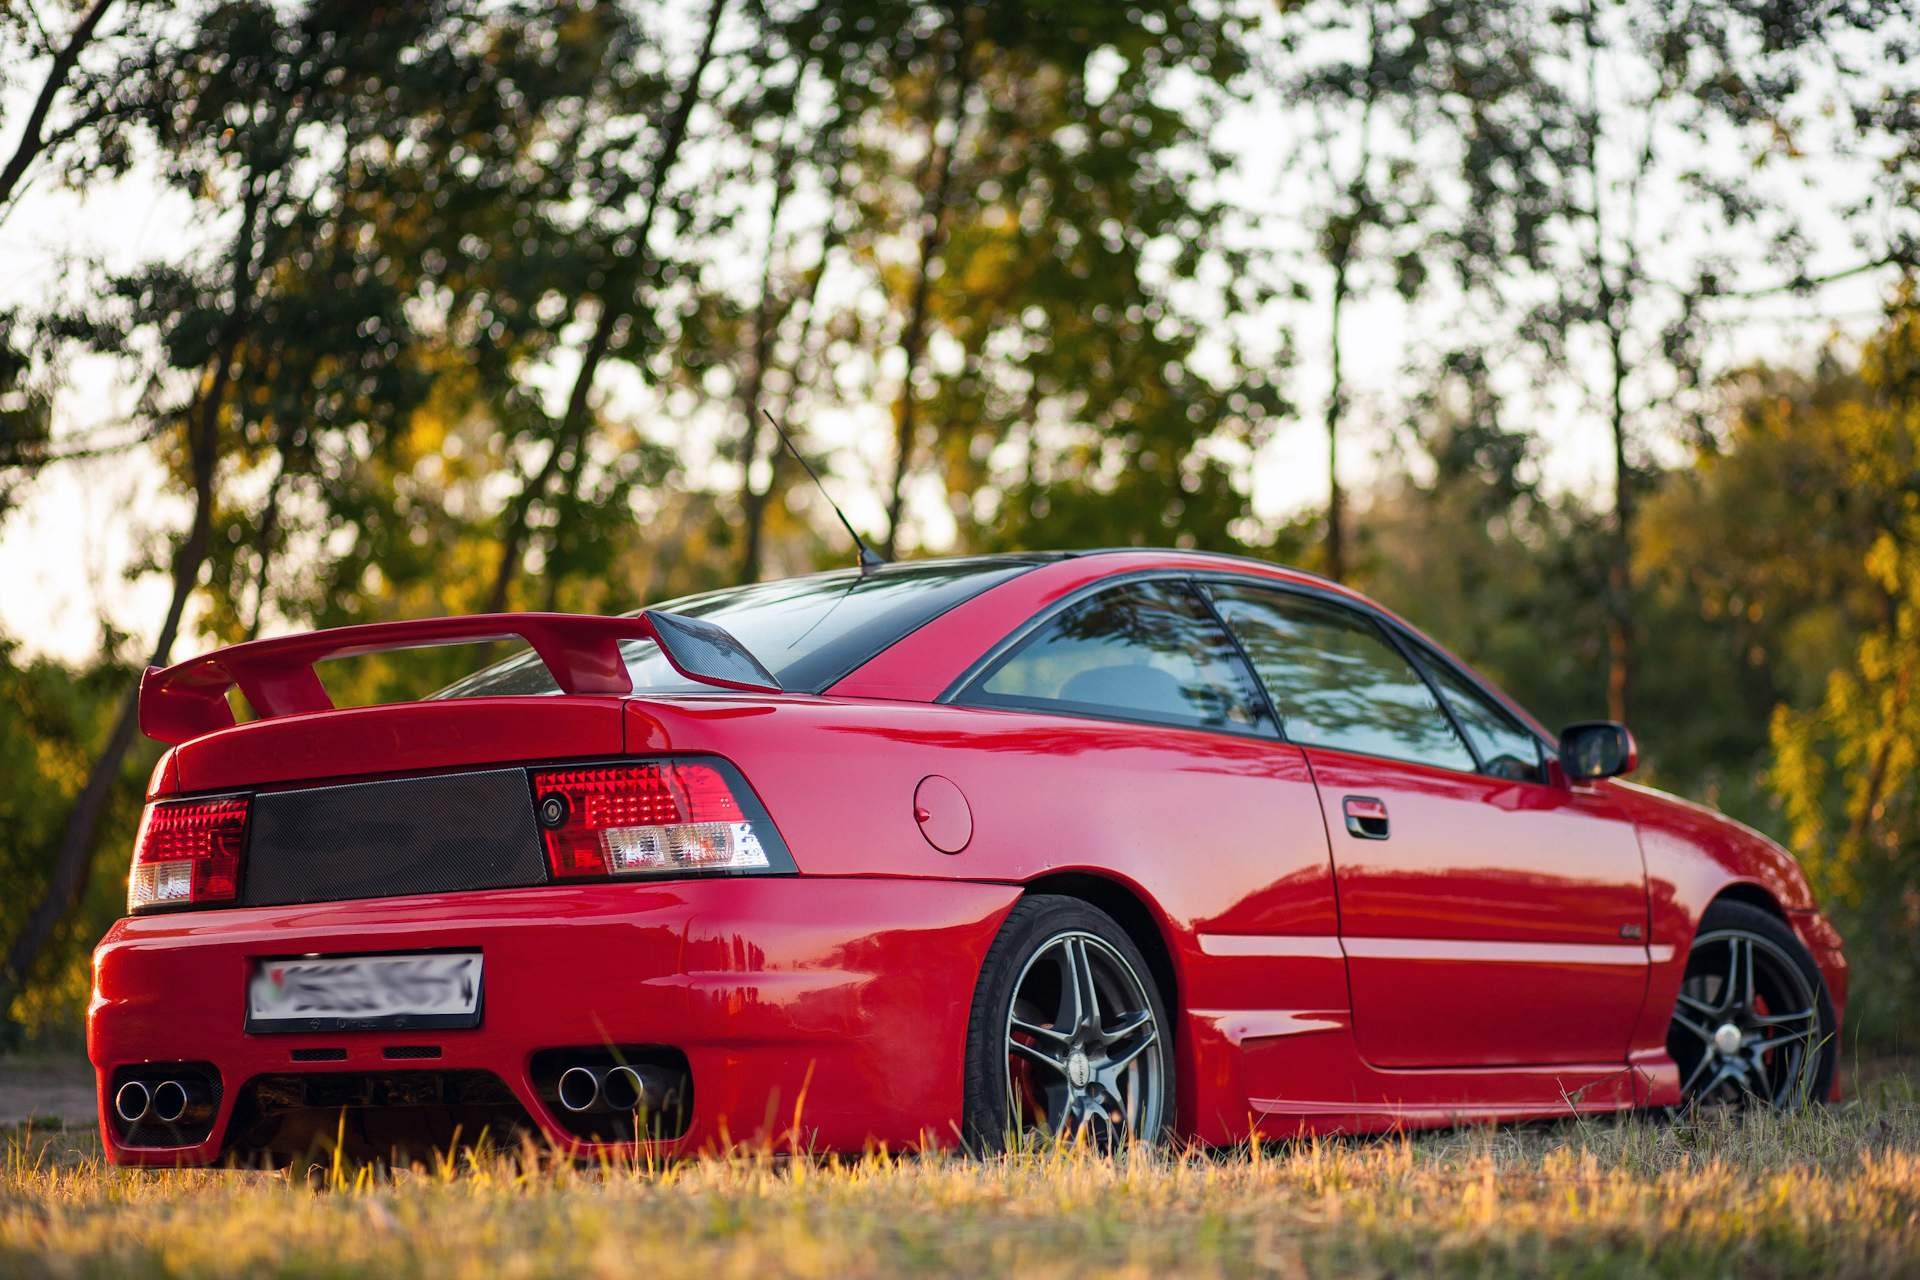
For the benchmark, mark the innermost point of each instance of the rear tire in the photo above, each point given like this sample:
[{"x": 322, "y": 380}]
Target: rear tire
[
  {"x": 1039, "y": 1061},
  {"x": 1752, "y": 1025}
]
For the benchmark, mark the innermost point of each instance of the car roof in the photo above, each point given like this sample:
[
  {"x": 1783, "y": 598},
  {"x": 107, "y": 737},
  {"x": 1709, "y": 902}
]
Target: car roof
[
  {"x": 923, "y": 664},
  {"x": 1141, "y": 558},
  {"x": 1051, "y": 557}
]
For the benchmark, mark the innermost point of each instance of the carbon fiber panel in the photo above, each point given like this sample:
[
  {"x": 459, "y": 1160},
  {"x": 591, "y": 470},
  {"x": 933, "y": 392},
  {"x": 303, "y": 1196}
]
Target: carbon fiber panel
[{"x": 387, "y": 839}]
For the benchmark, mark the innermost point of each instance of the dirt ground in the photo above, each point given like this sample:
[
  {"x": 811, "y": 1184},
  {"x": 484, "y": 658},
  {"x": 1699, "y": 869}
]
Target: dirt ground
[{"x": 46, "y": 1090}]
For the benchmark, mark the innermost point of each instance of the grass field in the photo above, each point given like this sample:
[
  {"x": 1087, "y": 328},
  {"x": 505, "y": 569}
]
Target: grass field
[{"x": 1831, "y": 1193}]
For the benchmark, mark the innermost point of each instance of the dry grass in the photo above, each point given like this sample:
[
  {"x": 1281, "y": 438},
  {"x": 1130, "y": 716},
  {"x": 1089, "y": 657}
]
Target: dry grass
[{"x": 1835, "y": 1192}]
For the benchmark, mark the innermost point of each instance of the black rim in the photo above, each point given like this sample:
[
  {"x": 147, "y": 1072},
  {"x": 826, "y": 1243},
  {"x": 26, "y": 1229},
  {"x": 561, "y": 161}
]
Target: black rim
[
  {"x": 1746, "y": 1025},
  {"x": 1082, "y": 1046}
]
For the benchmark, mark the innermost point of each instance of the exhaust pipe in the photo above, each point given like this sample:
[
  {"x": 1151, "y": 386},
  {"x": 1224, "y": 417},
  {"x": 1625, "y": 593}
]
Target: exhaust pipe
[
  {"x": 132, "y": 1101},
  {"x": 169, "y": 1101},
  {"x": 647, "y": 1087},
  {"x": 579, "y": 1089},
  {"x": 623, "y": 1089}
]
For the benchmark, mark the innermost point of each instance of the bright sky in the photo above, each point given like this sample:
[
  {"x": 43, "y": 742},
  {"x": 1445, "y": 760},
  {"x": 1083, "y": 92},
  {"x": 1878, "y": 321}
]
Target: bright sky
[{"x": 67, "y": 552}]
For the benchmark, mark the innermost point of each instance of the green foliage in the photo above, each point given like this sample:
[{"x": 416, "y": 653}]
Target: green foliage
[
  {"x": 25, "y": 415},
  {"x": 51, "y": 720},
  {"x": 1073, "y": 411},
  {"x": 1848, "y": 766},
  {"x": 1476, "y": 554}
]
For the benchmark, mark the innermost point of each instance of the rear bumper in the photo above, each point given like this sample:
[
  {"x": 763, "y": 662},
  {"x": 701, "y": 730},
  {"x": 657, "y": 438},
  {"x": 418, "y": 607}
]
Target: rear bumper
[{"x": 840, "y": 1001}]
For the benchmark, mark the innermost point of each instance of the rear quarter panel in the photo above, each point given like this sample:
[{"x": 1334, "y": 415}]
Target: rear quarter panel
[{"x": 1220, "y": 835}]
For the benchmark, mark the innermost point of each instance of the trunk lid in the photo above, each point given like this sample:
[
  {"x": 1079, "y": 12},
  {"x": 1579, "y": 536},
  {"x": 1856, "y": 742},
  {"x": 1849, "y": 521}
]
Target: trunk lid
[{"x": 403, "y": 738}]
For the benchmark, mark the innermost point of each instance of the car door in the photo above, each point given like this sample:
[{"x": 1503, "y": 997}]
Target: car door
[
  {"x": 1154, "y": 754},
  {"x": 1491, "y": 914}
]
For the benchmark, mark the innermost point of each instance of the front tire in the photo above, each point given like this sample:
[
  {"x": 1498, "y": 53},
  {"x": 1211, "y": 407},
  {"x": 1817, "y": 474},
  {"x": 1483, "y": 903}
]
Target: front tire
[
  {"x": 1752, "y": 1025},
  {"x": 1068, "y": 1037}
]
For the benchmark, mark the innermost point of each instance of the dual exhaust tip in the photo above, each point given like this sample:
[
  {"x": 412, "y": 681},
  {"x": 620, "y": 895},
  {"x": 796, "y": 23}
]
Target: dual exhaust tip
[
  {"x": 613, "y": 1089},
  {"x": 166, "y": 1101},
  {"x": 581, "y": 1089}
]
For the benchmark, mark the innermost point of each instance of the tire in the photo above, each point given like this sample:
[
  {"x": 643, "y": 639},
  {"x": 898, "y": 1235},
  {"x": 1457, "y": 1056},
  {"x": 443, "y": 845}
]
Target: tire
[
  {"x": 1753, "y": 1024},
  {"x": 1107, "y": 1079}
]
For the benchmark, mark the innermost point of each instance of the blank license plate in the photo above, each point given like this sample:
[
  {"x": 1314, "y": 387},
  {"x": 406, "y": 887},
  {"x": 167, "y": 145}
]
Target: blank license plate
[{"x": 350, "y": 993}]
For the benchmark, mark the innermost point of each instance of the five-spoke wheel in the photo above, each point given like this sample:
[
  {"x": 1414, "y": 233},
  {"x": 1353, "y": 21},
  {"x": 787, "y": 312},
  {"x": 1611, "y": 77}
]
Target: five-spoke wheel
[
  {"x": 1068, "y": 1037},
  {"x": 1752, "y": 1020}
]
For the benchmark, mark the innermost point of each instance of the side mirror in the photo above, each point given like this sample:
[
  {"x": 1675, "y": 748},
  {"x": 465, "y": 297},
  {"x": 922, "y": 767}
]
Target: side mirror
[{"x": 1595, "y": 749}]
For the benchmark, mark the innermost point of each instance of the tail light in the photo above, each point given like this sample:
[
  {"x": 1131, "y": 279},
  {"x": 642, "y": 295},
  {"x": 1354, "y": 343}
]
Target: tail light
[
  {"x": 188, "y": 851},
  {"x": 659, "y": 818}
]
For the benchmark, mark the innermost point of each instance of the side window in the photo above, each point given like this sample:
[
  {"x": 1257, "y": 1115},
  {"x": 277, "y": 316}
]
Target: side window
[
  {"x": 1144, "y": 651},
  {"x": 1337, "y": 681},
  {"x": 1505, "y": 748}
]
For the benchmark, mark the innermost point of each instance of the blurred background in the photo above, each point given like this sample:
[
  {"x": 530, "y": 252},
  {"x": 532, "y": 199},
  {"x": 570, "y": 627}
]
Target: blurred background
[{"x": 1584, "y": 333}]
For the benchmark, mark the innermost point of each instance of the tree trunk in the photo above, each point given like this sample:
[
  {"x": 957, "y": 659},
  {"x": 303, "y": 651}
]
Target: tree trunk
[
  {"x": 263, "y": 547},
  {"x": 753, "y": 501},
  {"x": 1610, "y": 307},
  {"x": 1358, "y": 214},
  {"x": 1336, "y": 565},
  {"x": 568, "y": 439},
  {"x": 31, "y": 139},
  {"x": 767, "y": 317},
  {"x": 913, "y": 338},
  {"x": 753, "y": 514},
  {"x": 1620, "y": 562}
]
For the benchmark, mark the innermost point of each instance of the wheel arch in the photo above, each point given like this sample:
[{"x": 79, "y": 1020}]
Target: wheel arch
[
  {"x": 1131, "y": 911},
  {"x": 1753, "y": 895}
]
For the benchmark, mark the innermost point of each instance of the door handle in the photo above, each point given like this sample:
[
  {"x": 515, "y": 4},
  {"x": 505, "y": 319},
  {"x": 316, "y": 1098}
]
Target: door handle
[{"x": 1366, "y": 817}]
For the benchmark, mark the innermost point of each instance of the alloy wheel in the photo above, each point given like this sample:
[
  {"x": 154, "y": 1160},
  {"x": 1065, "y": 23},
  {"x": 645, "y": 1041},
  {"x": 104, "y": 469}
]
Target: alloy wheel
[
  {"x": 1746, "y": 1025},
  {"x": 1078, "y": 1037}
]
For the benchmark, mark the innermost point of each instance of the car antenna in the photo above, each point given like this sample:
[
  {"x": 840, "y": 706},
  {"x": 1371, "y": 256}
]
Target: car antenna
[{"x": 867, "y": 559}]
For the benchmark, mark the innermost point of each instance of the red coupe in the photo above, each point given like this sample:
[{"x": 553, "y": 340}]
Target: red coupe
[{"x": 1127, "y": 844}]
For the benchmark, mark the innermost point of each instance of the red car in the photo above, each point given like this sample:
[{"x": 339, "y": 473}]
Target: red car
[{"x": 1119, "y": 843}]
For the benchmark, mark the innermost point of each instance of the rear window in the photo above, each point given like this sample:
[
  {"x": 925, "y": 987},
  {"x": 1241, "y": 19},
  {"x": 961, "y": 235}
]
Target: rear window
[{"x": 809, "y": 632}]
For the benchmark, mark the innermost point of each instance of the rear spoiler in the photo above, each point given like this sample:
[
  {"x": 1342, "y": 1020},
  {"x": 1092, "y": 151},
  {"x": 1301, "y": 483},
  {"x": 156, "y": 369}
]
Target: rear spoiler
[{"x": 580, "y": 651}]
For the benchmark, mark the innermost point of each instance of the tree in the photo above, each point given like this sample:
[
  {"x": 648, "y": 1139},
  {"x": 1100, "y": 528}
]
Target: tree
[
  {"x": 1352, "y": 67},
  {"x": 26, "y": 418},
  {"x": 62, "y": 55},
  {"x": 247, "y": 105},
  {"x": 56, "y": 717},
  {"x": 1764, "y": 535},
  {"x": 756, "y": 346},
  {"x": 1467, "y": 543},
  {"x": 1847, "y": 768},
  {"x": 1657, "y": 126},
  {"x": 635, "y": 171},
  {"x": 1037, "y": 263}
]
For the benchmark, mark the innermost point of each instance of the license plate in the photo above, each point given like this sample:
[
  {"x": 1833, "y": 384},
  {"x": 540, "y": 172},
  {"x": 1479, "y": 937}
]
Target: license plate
[{"x": 352, "y": 993}]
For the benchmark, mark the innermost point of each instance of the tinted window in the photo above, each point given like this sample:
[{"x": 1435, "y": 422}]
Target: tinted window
[
  {"x": 1337, "y": 681},
  {"x": 1506, "y": 749},
  {"x": 1144, "y": 651},
  {"x": 808, "y": 632}
]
